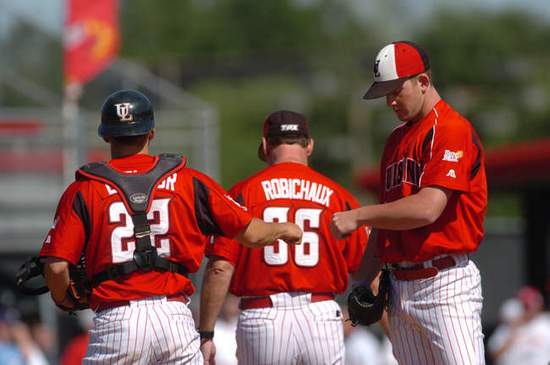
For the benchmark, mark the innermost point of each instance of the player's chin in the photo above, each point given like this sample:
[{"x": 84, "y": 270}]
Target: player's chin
[{"x": 401, "y": 115}]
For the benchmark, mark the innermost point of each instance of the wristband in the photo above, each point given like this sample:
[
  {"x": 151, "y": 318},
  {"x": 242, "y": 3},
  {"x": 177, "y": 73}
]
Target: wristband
[{"x": 206, "y": 335}]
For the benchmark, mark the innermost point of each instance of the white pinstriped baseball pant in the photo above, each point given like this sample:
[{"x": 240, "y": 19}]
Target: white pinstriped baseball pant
[
  {"x": 148, "y": 331},
  {"x": 293, "y": 331},
  {"x": 438, "y": 320}
]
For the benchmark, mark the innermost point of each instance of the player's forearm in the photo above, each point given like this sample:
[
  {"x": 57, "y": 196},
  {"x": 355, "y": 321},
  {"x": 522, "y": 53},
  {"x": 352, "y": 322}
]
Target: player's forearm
[
  {"x": 414, "y": 211},
  {"x": 56, "y": 272},
  {"x": 385, "y": 216},
  {"x": 259, "y": 234},
  {"x": 215, "y": 286},
  {"x": 370, "y": 263}
]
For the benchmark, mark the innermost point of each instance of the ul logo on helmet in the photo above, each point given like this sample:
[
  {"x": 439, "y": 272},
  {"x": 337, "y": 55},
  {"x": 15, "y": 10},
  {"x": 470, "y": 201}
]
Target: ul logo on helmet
[{"x": 123, "y": 112}]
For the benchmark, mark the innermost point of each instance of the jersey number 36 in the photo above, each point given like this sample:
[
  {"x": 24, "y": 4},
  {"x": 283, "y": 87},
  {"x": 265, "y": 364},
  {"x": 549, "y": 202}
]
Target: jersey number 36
[{"x": 305, "y": 254}]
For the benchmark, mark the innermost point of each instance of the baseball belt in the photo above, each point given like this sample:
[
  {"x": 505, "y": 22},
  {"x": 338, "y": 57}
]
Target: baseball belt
[
  {"x": 265, "y": 301},
  {"x": 420, "y": 271},
  {"x": 121, "y": 303}
]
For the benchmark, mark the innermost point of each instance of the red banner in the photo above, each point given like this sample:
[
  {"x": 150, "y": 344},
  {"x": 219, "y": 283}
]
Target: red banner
[{"x": 91, "y": 38}]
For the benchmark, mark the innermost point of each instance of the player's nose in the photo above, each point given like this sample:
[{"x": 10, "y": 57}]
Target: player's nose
[{"x": 390, "y": 100}]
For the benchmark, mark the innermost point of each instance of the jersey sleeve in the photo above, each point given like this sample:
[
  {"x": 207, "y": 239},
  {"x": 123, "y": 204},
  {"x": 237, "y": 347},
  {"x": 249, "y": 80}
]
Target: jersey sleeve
[
  {"x": 67, "y": 236},
  {"x": 449, "y": 161},
  {"x": 225, "y": 248},
  {"x": 216, "y": 211},
  {"x": 222, "y": 247}
]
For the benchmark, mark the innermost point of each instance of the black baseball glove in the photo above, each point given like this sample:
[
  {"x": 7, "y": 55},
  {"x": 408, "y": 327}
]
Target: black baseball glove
[
  {"x": 364, "y": 307},
  {"x": 30, "y": 280},
  {"x": 30, "y": 277}
]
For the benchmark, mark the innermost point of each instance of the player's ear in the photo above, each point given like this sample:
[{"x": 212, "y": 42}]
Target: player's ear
[
  {"x": 151, "y": 134},
  {"x": 309, "y": 147},
  {"x": 264, "y": 146},
  {"x": 424, "y": 81}
]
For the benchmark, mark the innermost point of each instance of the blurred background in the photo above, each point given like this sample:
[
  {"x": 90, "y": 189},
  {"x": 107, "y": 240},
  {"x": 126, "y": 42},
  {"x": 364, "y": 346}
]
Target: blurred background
[{"x": 215, "y": 68}]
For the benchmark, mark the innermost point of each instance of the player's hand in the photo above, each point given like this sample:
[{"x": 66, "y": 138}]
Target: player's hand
[
  {"x": 208, "y": 349},
  {"x": 292, "y": 234},
  {"x": 343, "y": 223}
]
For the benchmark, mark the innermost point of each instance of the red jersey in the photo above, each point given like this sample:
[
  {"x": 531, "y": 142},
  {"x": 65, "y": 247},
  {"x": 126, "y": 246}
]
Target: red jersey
[
  {"x": 187, "y": 207},
  {"x": 442, "y": 150},
  {"x": 292, "y": 192}
]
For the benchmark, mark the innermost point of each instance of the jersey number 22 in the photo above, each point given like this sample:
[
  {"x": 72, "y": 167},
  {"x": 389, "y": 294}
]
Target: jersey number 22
[{"x": 122, "y": 237}]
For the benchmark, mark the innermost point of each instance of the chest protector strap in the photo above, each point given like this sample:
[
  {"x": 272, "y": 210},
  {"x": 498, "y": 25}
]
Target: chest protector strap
[{"x": 135, "y": 191}]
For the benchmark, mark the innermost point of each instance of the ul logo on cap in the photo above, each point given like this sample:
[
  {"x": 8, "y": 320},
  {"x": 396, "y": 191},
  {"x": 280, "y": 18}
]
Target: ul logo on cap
[
  {"x": 123, "y": 112},
  {"x": 376, "y": 72}
]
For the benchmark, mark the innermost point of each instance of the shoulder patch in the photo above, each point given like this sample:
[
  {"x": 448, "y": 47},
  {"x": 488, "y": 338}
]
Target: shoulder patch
[{"x": 452, "y": 156}]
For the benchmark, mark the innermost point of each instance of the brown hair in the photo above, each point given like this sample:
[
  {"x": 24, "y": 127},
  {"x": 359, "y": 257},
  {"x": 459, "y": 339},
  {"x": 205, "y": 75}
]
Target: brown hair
[{"x": 276, "y": 141}]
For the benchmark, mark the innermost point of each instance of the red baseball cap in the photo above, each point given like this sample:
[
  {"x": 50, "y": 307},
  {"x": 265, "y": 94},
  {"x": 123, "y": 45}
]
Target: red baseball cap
[
  {"x": 283, "y": 123},
  {"x": 394, "y": 64}
]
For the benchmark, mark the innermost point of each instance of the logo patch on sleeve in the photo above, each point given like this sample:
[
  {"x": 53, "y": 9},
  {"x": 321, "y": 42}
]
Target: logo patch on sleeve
[
  {"x": 451, "y": 173},
  {"x": 452, "y": 156}
]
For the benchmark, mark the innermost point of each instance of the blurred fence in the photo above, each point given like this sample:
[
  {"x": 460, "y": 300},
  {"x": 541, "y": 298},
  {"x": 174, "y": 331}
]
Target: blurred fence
[
  {"x": 39, "y": 151},
  {"x": 32, "y": 149}
]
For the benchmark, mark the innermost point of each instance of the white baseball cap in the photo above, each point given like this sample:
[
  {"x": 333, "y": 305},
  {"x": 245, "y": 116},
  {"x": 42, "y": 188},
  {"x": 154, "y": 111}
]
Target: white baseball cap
[{"x": 394, "y": 64}]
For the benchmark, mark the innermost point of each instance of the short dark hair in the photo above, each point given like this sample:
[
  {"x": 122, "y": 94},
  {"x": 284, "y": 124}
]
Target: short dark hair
[
  {"x": 130, "y": 140},
  {"x": 277, "y": 141},
  {"x": 430, "y": 75}
]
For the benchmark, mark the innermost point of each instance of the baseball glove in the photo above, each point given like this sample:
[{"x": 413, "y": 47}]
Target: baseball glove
[
  {"x": 364, "y": 307},
  {"x": 30, "y": 280},
  {"x": 78, "y": 291}
]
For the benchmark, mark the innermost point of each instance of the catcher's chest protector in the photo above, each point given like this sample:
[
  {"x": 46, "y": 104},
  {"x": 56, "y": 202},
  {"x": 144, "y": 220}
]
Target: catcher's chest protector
[{"x": 135, "y": 191}]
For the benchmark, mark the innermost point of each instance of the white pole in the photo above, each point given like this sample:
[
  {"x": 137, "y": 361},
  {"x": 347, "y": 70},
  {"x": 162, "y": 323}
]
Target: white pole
[{"x": 72, "y": 129}]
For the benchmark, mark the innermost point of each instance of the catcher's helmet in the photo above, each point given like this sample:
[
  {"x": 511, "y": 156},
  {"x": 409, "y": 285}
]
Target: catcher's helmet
[{"x": 126, "y": 113}]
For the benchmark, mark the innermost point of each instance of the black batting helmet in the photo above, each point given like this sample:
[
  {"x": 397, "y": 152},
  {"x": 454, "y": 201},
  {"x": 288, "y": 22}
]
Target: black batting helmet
[{"x": 126, "y": 113}]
